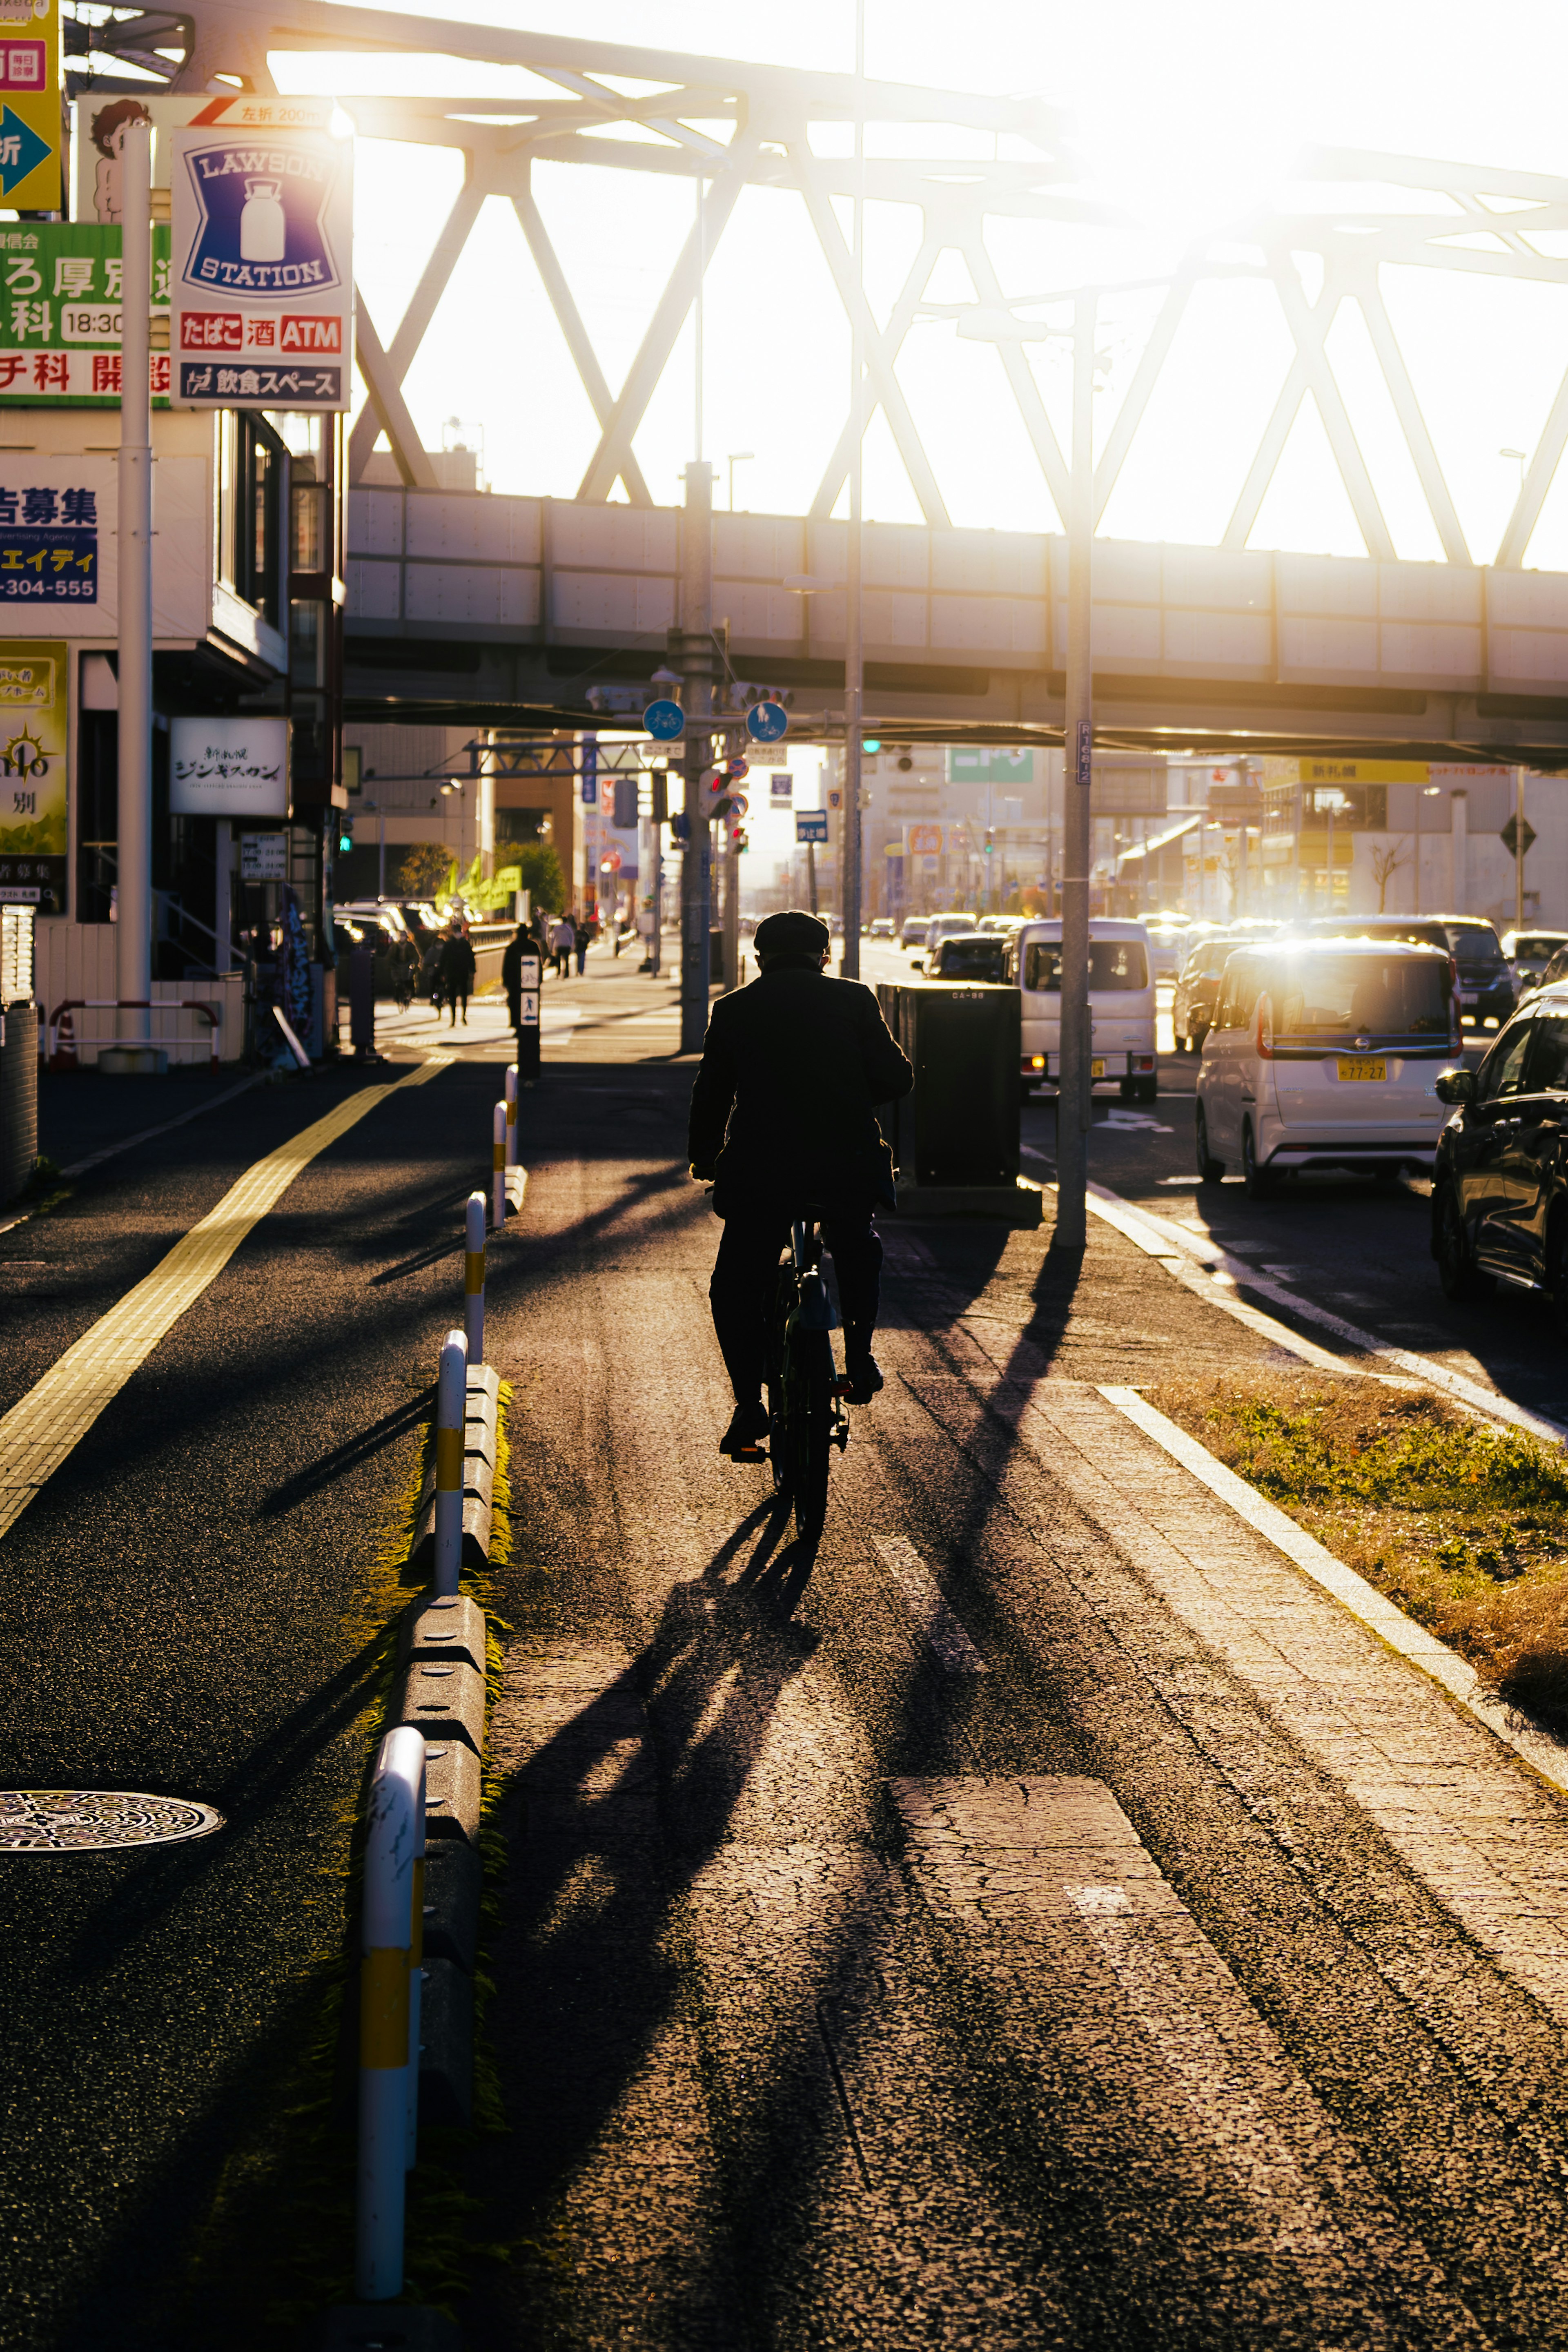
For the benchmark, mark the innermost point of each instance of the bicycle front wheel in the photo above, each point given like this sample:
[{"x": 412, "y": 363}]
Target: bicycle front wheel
[
  {"x": 780, "y": 1454},
  {"x": 812, "y": 1428}
]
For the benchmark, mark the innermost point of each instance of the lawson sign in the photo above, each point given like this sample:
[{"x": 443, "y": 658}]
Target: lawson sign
[{"x": 261, "y": 282}]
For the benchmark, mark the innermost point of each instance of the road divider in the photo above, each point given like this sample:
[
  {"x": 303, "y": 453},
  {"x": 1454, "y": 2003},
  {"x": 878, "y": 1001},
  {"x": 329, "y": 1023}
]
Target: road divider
[
  {"x": 511, "y": 1116},
  {"x": 499, "y": 1166},
  {"x": 474, "y": 1279},
  {"x": 451, "y": 1388},
  {"x": 390, "y": 1984}
]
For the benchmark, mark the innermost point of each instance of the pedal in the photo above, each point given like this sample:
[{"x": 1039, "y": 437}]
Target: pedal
[
  {"x": 840, "y": 1437},
  {"x": 750, "y": 1454}
]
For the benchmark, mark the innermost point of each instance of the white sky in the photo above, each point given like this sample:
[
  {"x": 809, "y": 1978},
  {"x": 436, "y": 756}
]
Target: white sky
[{"x": 1188, "y": 114}]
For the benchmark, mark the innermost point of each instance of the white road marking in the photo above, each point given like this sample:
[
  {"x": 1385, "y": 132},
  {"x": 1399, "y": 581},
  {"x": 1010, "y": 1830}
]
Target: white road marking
[
  {"x": 1208, "y": 1268},
  {"x": 923, "y": 1598},
  {"x": 1046, "y": 1853}
]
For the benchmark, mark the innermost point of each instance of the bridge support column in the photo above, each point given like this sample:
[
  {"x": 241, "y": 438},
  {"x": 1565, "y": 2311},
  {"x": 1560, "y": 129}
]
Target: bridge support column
[{"x": 698, "y": 668}]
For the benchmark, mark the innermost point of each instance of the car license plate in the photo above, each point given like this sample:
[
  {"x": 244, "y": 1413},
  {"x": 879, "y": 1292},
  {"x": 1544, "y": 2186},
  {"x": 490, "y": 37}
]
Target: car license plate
[
  {"x": 1468, "y": 999},
  {"x": 1097, "y": 1068},
  {"x": 1375, "y": 1070}
]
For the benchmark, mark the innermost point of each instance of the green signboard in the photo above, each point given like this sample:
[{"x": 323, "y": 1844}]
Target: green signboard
[
  {"x": 59, "y": 314},
  {"x": 988, "y": 763}
]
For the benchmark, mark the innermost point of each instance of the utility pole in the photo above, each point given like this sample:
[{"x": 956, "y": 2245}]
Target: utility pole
[
  {"x": 1519, "y": 849},
  {"x": 854, "y": 668},
  {"x": 697, "y": 669},
  {"x": 134, "y": 947},
  {"x": 1074, "y": 1098}
]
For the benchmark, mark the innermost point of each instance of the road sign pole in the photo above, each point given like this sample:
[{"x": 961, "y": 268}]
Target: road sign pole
[
  {"x": 1519, "y": 849},
  {"x": 1074, "y": 1102},
  {"x": 697, "y": 664},
  {"x": 855, "y": 672},
  {"x": 133, "y": 908}
]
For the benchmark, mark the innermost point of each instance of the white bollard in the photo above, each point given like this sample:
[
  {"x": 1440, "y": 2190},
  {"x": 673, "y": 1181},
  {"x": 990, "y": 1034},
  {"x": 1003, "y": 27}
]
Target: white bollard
[
  {"x": 474, "y": 1280},
  {"x": 511, "y": 1114},
  {"x": 415, "y": 1968},
  {"x": 499, "y": 1166},
  {"x": 451, "y": 1396},
  {"x": 388, "y": 2086}
]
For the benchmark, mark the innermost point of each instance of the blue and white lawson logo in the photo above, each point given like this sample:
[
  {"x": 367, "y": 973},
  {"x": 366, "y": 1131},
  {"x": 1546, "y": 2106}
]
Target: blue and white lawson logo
[{"x": 263, "y": 206}]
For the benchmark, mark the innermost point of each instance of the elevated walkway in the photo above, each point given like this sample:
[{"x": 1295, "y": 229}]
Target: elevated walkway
[{"x": 483, "y": 609}]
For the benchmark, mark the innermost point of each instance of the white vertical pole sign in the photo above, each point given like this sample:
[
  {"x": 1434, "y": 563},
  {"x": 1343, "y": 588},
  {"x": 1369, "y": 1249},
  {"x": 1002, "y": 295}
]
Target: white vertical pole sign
[{"x": 133, "y": 945}]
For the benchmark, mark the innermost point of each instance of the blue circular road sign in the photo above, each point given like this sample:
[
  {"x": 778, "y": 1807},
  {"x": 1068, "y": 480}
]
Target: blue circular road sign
[
  {"x": 766, "y": 721},
  {"x": 665, "y": 720}
]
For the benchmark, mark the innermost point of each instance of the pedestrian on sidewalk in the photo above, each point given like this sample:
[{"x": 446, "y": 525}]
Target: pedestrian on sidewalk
[
  {"x": 563, "y": 941},
  {"x": 457, "y": 971},
  {"x": 582, "y": 931}
]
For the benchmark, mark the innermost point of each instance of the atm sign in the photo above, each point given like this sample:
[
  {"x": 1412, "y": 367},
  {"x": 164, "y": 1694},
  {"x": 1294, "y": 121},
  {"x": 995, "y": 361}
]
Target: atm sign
[{"x": 231, "y": 330}]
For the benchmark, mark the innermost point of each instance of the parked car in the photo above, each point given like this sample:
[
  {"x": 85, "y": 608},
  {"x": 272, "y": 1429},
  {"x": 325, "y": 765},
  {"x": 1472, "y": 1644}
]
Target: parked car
[
  {"x": 1196, "y": 990},
  {"x": 1528, "y": 954},
  {"x": 1121, "y": 1005},
  {"x": 1326, "y": 1053},
  {"x": 1486, "y": 997},
  {"x": 1500, "y": 1186},
  {"x": 913, "y": 935},
  {"x": 966, "y": 955}
]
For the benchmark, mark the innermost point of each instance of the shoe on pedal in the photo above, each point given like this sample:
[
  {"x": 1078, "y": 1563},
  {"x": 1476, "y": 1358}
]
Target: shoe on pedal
[
  {"x": 863, "y": 1379},
  {"x": 742, "y": 1440}
]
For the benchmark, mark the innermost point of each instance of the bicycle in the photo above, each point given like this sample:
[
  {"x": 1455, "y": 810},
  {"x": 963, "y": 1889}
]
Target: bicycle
[{"x": 806, "y": 1415}]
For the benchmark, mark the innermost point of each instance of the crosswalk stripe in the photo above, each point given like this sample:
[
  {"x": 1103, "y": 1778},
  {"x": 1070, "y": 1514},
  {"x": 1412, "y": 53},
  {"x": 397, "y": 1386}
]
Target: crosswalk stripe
[{"x": 41, "y": 1428}]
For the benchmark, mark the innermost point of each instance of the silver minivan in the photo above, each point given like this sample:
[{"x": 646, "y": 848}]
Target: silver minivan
[
  {"x": 1121, "y": 1004},
  {"x": 1326, "y": 1053}
]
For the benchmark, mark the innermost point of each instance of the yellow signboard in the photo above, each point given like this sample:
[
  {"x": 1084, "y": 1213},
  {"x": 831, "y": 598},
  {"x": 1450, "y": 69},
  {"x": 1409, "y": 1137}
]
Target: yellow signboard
[
  {"x": 33, "y": 717},
  {"x": 1278, "y": 772},
  {"x": 31, "y": 107}
]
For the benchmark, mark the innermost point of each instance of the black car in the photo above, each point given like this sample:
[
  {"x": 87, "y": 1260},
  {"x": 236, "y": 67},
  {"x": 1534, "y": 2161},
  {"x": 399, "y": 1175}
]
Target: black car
[
  {"x": 1499, "y": 1180},
  {"x": 968, "y": 955}
]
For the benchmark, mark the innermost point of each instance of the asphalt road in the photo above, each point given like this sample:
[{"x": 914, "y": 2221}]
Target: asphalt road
[{"x": 846, "y": 1995}]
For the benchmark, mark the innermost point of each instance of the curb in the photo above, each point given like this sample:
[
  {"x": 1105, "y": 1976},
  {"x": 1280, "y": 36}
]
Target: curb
[{"x": 1361, "y": 1599}]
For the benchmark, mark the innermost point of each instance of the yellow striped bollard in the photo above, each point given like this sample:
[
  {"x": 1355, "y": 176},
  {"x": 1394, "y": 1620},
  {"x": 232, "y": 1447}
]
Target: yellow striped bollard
[
  {"x": 451, "y": 1394},
  {"x": 499, "y": 1166},
  {"x": 511, "y": 1114},
  {"x": 474, "y": 1279},
  {"x": 388, "y": 2075}
]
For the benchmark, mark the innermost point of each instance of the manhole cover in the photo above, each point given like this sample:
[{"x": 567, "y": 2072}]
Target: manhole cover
[{"x": 76, "y": 1820}]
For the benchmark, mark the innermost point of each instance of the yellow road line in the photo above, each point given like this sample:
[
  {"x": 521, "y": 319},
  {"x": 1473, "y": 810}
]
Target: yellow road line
[{"x": 39, "y": 1431}]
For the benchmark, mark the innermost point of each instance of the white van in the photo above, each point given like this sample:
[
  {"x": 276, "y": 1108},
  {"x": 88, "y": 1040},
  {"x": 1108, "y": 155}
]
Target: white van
[
  {"x": 1121, "y": 1004},
  {"x": 1326, "y": 1053}
]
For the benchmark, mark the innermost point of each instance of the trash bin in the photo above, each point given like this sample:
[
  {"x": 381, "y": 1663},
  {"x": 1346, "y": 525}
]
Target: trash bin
[
  {"x": 959, "y": 1127},
  {"x": 18, "y": 1097}
]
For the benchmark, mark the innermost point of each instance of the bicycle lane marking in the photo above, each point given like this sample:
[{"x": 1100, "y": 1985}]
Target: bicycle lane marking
[
  {"x": 922, "y": 1597},
  {"x": 41, "y": 1429}
]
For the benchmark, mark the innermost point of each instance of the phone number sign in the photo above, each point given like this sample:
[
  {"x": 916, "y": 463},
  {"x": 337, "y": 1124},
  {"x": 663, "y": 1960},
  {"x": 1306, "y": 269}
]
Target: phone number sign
[{"x": 49, "y": 546}]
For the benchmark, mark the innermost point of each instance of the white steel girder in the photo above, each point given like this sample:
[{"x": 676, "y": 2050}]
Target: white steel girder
[{"x": 773, "y": 110}]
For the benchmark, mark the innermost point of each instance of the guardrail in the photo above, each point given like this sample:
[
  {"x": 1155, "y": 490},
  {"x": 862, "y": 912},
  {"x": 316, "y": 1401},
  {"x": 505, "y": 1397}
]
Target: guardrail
[{"x": 60, "y": 1051}]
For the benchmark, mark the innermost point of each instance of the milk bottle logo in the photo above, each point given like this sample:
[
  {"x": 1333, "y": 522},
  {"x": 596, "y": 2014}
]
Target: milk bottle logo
[
  {"x": 262, "y": 224},
  {"x": 262, "y": 208}
]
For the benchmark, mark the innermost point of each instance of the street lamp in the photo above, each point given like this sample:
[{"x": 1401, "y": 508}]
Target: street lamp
[{"x": 735, "y": 459}]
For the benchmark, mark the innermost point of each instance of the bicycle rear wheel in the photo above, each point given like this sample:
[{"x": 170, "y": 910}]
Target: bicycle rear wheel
[
  {"x": 812, "y": 1426},
  {"x": 779, "y": 1446}
]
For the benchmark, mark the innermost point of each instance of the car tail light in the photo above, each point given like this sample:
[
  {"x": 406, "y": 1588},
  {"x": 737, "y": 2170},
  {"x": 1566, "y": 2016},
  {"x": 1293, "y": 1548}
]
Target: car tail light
[
  {"x": 1263, "y": 1028},
  {"x": 1143, "y": 1061},
  {"x": 1035, "y": 1062}
]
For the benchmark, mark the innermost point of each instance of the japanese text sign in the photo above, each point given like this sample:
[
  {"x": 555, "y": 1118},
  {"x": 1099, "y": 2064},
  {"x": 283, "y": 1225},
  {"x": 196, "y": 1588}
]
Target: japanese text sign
[
  {"x": 228, "y": 767},
  {"x": 30, "y": 117},
  {"x": 33, "y": 769},
  {"x": 60, "y": 315},
  {"x": 262, "y": 275}
]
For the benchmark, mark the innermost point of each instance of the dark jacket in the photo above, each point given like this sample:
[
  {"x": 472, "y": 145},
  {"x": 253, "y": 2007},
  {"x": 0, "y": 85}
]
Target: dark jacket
[
  {"x": 783, "y": 1108},
  {"x": 457, "y": 966}
]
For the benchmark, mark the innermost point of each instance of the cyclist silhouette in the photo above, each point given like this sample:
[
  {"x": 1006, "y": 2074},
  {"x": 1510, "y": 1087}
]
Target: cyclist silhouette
[{"x": 783, "y": 1121}]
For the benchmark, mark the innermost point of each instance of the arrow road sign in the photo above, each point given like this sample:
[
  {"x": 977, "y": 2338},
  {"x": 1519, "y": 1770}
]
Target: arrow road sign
[
  {"x": 766, "y": 722},
  {"x": 21, "y": 153},
  {"x": 665, "y": 720}
]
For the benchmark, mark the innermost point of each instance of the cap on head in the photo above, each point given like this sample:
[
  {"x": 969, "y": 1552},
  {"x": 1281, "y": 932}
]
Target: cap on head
[{"x": 793, "y": 933}]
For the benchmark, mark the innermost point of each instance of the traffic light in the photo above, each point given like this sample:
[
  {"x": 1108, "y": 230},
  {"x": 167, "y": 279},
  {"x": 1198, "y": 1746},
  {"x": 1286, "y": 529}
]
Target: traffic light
[
  {"x": 871, "y": 743},
  {"x": 345, "y": 843},
  {"x": 990, "y": 841},
  {"x": 624, "y": 816}
]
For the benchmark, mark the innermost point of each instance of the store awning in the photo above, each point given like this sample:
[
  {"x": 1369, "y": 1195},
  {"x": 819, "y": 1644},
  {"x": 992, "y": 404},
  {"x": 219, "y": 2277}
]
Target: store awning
[{"x": 1160, "y": 840}]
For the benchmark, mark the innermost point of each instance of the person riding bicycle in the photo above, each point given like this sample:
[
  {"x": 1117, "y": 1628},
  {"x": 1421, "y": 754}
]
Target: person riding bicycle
[{"x": 783, "y": 1122}]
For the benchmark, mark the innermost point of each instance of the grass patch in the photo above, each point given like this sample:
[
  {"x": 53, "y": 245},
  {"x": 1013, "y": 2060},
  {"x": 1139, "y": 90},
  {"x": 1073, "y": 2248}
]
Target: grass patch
[{"x": 1462, "y": 1524}]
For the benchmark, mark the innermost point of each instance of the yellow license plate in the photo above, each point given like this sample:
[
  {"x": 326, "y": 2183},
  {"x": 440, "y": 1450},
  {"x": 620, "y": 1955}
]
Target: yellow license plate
[
  {"x": 1374, "y": 1070},
  {"x": 1097, "y": 1068}
]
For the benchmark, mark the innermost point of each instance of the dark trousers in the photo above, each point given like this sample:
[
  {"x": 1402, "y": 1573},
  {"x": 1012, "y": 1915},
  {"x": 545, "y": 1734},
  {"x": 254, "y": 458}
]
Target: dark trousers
[{"x": 754, "y": 1241}]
